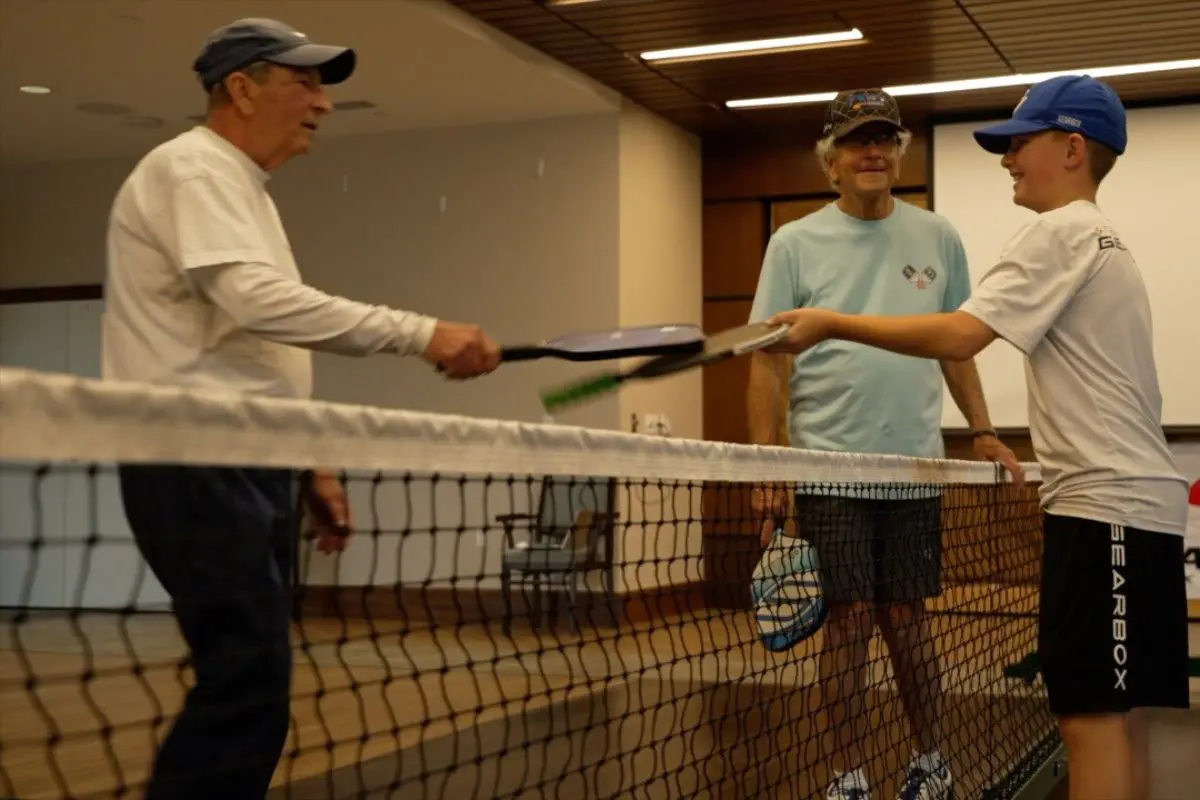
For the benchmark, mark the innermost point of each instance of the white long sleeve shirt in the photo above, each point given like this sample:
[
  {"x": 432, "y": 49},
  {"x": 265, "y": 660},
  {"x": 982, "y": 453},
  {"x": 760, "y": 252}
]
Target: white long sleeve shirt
[{"x": 202, "y": 289}]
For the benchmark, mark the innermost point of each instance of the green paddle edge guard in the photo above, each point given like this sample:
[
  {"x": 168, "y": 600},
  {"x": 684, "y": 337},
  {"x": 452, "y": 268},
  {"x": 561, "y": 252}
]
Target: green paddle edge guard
[{"x": 560, "y": 397}]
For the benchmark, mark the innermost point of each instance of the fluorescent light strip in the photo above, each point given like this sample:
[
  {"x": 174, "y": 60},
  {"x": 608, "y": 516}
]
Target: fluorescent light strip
[
  {"x": 756, "y": 46},
  {"x": 974, "y": 84}
]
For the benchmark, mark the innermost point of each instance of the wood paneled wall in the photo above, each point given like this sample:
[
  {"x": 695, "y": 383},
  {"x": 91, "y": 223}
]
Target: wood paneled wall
[
  {"x": 993, "y": 535},
  {"x": 774, "y": 169},
  {"x": 750, "y": 189}
]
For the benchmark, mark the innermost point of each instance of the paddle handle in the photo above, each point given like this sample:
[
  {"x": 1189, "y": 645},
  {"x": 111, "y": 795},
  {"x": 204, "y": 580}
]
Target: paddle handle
[
  {"x": 518, "y": 353},
  {"x": 523, "y": 353}
]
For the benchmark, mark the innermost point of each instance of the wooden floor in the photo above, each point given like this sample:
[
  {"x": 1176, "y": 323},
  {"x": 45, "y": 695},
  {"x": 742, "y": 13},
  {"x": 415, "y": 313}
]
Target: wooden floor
[
  {"x": 1174, "y": 747},
  {"x": 691, "y": 707}
]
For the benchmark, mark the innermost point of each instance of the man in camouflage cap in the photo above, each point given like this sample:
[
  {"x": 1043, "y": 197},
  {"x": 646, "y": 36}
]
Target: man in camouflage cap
[{"x": 867, "y": 252}]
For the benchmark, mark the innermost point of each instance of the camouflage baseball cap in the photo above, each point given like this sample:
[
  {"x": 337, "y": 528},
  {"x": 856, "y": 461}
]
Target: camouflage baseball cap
[{"x": 856, "y": 107}]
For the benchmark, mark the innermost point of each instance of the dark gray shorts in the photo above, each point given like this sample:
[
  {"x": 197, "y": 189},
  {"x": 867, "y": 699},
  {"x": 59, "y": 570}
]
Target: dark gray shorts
[{"x": 887, "y": 551}]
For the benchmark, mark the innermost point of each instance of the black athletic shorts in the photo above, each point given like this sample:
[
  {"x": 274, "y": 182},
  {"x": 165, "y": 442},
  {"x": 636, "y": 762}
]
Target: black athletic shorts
[
  {"x": 1112, "y": 632},
  {"x": 887, "y": 551}
]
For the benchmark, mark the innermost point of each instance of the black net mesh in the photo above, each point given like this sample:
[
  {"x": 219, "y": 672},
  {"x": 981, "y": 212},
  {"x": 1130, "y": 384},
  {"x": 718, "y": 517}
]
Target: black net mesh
[{"x": 569, "y": 630}]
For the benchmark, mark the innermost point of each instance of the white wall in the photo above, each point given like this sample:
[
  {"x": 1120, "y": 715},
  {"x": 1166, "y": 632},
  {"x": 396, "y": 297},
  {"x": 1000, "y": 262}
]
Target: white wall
[
  {"x": 527, "y": 257},
  {"x": 523, "y": 228},
  {"x": 1146, "y": 199},
  {"x": 660, "y": 281},
  {"x": 52, "y": 221}
]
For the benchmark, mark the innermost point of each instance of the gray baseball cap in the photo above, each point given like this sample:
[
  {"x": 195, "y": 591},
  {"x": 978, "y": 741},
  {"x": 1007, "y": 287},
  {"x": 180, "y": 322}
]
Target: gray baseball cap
[{"x": 246, "y": 41}]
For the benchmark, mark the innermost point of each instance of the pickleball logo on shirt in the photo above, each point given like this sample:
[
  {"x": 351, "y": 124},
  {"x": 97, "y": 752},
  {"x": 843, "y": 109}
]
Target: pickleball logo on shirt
[{"x": 920, "y": 279}]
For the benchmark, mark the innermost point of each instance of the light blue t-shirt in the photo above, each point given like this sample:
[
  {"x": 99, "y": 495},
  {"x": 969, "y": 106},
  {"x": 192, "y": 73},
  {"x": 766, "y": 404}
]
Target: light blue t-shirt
[{"x": 849, "y": 397}]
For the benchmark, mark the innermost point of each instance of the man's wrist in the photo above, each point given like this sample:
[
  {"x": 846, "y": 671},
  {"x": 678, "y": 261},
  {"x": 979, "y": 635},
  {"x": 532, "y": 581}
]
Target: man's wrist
[{"x": 981, "y": 432}]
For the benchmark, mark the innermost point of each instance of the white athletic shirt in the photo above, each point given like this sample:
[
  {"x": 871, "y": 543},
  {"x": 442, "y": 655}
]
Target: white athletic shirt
[
  {"x": 202, "y": 289},
  {"x": 1068, "y": 294}
]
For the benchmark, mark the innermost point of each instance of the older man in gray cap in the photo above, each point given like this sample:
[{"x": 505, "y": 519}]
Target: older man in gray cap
[
  {"x": 868, "y": 252},
  {"x": 202, "y": 291}
]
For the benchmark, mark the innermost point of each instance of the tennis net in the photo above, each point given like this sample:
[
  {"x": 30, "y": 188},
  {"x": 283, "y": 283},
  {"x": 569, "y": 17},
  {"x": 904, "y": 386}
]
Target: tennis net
[{"x": 522, "y": 610}]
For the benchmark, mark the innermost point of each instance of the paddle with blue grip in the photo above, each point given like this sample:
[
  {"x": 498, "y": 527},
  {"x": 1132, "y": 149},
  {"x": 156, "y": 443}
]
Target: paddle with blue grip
[{"x": 789, "y": 606}]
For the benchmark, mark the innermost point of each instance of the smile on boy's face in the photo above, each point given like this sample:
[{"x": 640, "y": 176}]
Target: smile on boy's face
[{"x": 1043, "y": 165}]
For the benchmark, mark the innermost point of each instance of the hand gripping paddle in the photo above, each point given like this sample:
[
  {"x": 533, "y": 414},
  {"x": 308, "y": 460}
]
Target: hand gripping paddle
[{"x": 719, "y": 347}]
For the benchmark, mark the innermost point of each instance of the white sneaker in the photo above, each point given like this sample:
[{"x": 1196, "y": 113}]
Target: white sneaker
[
  {"x": 848, "y": 786},
  {"x": 927, "y": 784}
]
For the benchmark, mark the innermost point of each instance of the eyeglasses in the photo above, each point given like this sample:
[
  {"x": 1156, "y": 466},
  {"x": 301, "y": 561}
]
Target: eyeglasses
[{"x": 861, "y": 139}]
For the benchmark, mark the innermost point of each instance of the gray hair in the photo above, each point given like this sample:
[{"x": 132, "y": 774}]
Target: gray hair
[
  {"x": 825, "y": 147},
  {"x": 218, "y": 95}
]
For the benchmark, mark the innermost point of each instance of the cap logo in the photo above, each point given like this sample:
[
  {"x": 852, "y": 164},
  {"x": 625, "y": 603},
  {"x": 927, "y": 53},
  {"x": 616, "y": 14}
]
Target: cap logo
[
  {"x": 1063, "y": 119},
  {"x": 860, "y": 99}
]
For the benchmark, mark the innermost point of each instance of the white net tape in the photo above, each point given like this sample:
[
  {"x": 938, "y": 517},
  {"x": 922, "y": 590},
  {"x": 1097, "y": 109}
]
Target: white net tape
[{"x": 54, "y": 417}]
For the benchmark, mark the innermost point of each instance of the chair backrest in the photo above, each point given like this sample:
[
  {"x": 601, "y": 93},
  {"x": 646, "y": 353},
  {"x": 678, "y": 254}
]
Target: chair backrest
[{"x": 564, "y": 496}]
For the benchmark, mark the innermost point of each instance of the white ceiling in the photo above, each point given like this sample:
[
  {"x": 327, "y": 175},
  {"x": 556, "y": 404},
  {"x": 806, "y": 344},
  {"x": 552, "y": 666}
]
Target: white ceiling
[{"x": 423, "y": 63}]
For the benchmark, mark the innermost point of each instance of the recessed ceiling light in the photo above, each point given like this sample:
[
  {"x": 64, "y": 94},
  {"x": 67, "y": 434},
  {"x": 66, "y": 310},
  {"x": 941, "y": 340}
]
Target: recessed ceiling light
[
  {"x": 974, "y": 84},
  {"x": 35, "y": 89},
  {"x": 755, "y": 47}
]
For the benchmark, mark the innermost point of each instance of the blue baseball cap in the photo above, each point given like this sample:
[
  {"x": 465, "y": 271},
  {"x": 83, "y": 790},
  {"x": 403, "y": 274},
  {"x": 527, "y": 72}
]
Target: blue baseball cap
[
  {"x": 1075, "y": 103},
  {"x": 246, "y": 41}
]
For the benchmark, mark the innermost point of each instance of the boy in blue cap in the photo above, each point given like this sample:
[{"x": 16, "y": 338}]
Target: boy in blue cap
[{"x": 1067, "y": 293}]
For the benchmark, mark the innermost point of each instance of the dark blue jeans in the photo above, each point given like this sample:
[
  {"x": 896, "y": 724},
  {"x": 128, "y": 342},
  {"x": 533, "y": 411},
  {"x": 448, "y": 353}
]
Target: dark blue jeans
[{"x": 221, "y": 542}]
